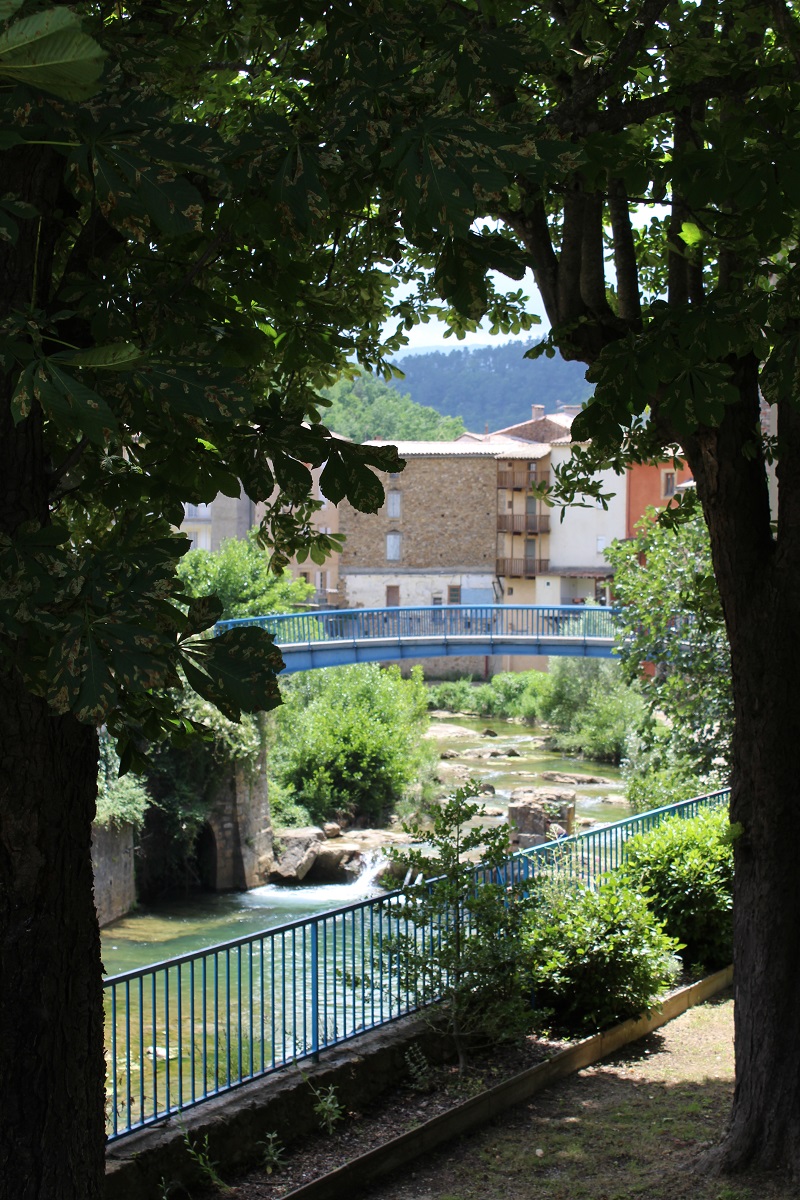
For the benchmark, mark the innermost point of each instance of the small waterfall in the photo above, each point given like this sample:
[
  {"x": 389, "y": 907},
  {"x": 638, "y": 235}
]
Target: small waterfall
[{"x": 322, "y": 895}]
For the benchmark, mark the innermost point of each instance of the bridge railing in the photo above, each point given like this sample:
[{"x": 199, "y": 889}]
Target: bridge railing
[
  {"x": 182, "y": 1031},
  {"x": 539, "y": 622}
]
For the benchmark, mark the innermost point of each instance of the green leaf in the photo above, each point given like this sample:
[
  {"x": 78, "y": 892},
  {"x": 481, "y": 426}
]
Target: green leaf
[
  {"x": 691, "y": 234},
  {"x": 89, "y": 411},
  {"x": 8, "y": 8},
  {"x": 49, "y": 51},
  {"x": 117, "y": 357},
  {"x": 236, "y": 671}
]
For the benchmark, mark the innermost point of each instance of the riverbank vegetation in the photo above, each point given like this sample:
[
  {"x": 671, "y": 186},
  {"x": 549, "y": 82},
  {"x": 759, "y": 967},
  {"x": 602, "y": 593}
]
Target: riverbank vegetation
[
  {"x": 347, "y": 745},
  {"x": 671, "y": 618},
  {"x": 587, "y": 705}
]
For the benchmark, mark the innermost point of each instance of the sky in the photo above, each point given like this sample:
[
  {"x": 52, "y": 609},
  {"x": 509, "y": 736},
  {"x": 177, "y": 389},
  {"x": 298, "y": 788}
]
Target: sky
[{"x": 423, "y": 338}]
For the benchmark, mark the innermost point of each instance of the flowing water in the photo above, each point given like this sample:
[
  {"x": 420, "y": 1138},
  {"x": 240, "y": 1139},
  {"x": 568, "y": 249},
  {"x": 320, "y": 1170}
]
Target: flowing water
[{"x": 154, "y": 933}]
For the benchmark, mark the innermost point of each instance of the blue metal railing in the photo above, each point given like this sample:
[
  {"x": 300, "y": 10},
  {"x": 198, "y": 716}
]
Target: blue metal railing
[
  {"x": 456, "y": 620},
  {"x": 184, "y": 1030},
  {"x": 340, "y": 636}
]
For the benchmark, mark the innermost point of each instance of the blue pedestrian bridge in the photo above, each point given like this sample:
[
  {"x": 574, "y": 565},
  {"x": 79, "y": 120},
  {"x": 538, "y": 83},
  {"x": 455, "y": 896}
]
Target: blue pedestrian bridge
[{"x": 353, "y": 635}]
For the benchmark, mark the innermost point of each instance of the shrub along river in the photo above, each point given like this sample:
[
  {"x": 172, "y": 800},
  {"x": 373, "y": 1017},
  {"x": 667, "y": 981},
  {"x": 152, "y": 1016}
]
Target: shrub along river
[{"x": 496, "y": 753}]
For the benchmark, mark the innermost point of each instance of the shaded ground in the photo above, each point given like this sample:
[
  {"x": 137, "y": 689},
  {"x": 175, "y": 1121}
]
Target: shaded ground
[{"x": 629, "y": 1128}]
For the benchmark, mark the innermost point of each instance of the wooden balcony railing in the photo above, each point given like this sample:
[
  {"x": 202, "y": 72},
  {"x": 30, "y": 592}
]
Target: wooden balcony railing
[
  {"x": 523, "y": 522},
  {"x": 520, "y": 478},
  {"x": 522, "y": 568}
]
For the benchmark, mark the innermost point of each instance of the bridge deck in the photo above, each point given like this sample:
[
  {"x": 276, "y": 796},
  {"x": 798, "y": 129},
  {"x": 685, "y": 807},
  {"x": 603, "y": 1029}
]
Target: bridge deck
[{"x": 341, "y": 636}]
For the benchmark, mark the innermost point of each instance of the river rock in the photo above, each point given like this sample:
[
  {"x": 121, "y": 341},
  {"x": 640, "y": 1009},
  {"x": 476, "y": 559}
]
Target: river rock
[
  {"x": 526, "y": 816},
  {"x": 489, "y": 733},
  {"x": 544, "y": 795},
  {"x": 295, "y": 850},
  {"x": 487, "y": 789},
  {"x": 512, "y": 753},
  {"x": 493, "y": 812},
  {"x": 331, "y": 829},
  {"x": 336, "y": 863},
  {"x": 526, "y": 840},
  {"x": 449, "y": 754},
  {"x": 559, "y": 777}
]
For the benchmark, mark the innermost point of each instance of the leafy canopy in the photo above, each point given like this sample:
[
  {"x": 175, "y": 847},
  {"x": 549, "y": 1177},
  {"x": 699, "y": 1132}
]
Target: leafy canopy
[
  {"x": 672, "y": 618},
  {"x": 239, "y": 575},
  {"x": 176, "y": 297}
]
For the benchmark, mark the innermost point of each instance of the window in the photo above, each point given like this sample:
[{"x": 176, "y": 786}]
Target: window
[
  {"x": 200, "y": 512},
  {"x": 667, "y": 484},
  {"x": 200, "y": 538},
  {"x": 454, "y": 594},
  {"x": 392, "y": 595},
  {"x": 393, "y": 541},
  {"x": 437, "y": 599},
  {"x": 393, "y": 505}
]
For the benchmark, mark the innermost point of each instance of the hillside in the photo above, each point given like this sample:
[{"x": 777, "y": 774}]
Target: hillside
[
  {"x": 491, "y": 385},
  {"x": 366, "y": 408}
]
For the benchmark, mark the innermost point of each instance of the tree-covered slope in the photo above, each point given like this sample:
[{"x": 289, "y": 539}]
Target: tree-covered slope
[
  {"x": 365, "y": 408},
  {"x": 494, "y": 385}
]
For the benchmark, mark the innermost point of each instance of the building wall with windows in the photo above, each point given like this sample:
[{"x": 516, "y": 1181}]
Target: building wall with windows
[
  {"x": 434, "y": 538},
  {"x": 651, "y": 485}
]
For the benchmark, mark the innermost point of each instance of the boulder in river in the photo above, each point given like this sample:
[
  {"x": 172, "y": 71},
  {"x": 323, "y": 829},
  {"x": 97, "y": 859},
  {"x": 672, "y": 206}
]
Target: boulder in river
[
  {"x": 489, "y": 733},
  {"x": 295, "y": 851}
]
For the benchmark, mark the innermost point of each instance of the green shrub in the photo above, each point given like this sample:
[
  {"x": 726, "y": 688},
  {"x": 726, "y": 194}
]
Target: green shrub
[
  {"x": 685, "y": 867},
  {"x": 349, "y": 742},
  {"x": 595, "y": 956},
  {"x": 284, "y": 811},
  {"x": 454, "y": 695},
  {"x": 122, "y": 799},
  {"x": 509, "y": 694},
  {"x": 462, "y": 943}
]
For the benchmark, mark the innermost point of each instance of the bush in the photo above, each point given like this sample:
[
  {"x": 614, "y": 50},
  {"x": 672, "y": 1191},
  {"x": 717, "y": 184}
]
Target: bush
[
  {"x": 349, "y": 741},
  {"x": 464, "y": 947},
  {"x": 122, "y": 799},
  {"x": 456, "y": 695},
  {"x": 509, "y": 694},
  {"x": 284, "y": 811},
  {"x": 685, "y": 867},
  {"x": 596, "y": 956},
  {"x": 592, "y": 707}
]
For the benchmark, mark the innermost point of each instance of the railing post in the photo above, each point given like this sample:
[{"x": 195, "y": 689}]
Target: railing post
[{"x": 315, "y": 990}]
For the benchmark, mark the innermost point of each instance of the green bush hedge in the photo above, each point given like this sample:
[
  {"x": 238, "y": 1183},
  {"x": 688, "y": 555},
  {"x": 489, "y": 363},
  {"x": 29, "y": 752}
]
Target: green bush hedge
[
  {"x": 685, "y": 867},
  {"x": 596, "y": 956}
]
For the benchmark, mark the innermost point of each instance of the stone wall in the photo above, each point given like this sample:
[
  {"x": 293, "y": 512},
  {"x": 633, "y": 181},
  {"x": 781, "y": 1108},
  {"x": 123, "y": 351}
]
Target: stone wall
[
  {"x": 239, "y": 821},
  {"x": 447, "y": 519},
  {"x": 112, "y": 861}
]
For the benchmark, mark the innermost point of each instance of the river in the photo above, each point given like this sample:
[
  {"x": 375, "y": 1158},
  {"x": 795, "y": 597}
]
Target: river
[{"x": 152, "y": 934}]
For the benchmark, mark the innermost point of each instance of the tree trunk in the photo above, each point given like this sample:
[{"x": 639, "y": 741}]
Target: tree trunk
[
  {"x": 759, "y": 583},
  {"x": 51, "y": 1009},
  {"x": 51, "y": 1013}
]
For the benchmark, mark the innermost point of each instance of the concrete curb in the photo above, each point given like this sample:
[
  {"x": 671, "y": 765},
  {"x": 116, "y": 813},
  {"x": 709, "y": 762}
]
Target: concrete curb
[{"x": 483, "y": 1108}]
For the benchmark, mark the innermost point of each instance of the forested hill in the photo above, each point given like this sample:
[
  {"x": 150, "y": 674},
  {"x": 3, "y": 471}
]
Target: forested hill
[
  {"x": 491, "y": 385},
  {"x": 366, "y": 408}
]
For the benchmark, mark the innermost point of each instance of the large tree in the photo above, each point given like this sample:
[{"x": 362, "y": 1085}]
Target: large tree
[
  {"x": 644, "y": 160},
  {"x": 169, "y": 303}
]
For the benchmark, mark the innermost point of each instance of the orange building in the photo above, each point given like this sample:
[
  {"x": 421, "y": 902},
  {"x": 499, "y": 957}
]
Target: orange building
[{"x": 651, "y": 485}]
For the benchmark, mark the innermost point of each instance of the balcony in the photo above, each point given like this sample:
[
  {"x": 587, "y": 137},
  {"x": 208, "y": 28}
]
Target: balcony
[
  {"x": 522, "y": 568},
  {"x": 520, "y": 478},
  {"x": 523, "y": 522}
]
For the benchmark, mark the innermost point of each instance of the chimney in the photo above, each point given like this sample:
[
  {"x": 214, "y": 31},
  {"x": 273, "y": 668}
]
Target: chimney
[{"x": 537, "y": 412}]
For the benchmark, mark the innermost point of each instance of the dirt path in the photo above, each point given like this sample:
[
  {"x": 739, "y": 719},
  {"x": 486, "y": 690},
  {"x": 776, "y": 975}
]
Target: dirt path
[{"x": 626, "y": 1129}]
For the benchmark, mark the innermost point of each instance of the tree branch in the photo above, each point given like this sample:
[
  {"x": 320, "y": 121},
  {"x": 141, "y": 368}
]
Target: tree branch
[{"x": 625, "y": 264}]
